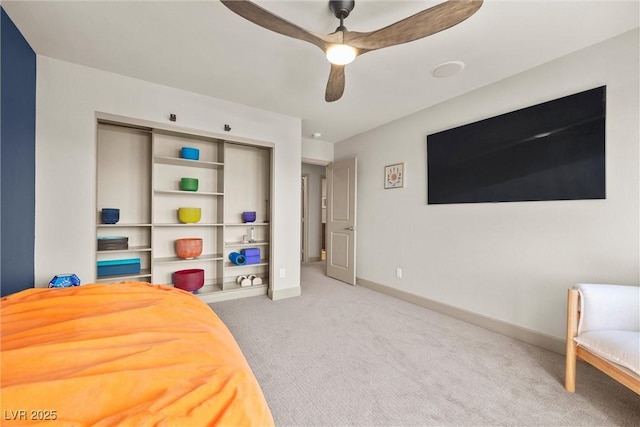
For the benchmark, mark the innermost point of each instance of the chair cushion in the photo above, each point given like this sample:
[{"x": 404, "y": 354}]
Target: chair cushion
[
  {"x": 609, "y": 307},
  {"x": 620, "y": 347}
]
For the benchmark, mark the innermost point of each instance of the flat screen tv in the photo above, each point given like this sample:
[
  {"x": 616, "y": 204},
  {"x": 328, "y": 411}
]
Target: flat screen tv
[{"x": 550, "y": 151}]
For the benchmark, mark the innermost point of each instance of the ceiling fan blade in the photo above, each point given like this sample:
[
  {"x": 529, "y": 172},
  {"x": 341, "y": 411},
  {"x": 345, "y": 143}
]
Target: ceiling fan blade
[
  {"x": 335, "y": 85},
  {"x": 422, "y": 24},
  {"x": 262, "y": 17}
]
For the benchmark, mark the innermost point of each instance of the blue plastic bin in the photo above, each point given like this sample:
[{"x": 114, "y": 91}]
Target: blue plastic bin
[{"x": 119, "y": 266}]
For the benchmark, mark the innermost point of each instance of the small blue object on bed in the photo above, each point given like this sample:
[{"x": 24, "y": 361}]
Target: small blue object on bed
[{"x": 64, "y": 281}]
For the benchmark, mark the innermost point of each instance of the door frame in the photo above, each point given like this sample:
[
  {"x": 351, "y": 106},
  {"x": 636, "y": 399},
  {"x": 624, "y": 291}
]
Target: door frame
[
  {"x": 303, "y": 237},
  {"x": 304, "y": 219}
]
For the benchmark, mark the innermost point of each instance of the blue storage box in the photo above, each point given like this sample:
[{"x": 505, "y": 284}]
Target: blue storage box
[
  {"x": 251, "y": 252},
  {"x": 190, "y": 153},
  {"x": 119, "y": 266},
  {"x": 252, "y": 259}
]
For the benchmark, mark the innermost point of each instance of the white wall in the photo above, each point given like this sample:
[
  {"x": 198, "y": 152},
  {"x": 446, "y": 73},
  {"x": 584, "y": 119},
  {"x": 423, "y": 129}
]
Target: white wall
[
  {"x": 68, "y": 97},
  {"x": 508, "y": 261},
  {"x": 317, "y": 152}
]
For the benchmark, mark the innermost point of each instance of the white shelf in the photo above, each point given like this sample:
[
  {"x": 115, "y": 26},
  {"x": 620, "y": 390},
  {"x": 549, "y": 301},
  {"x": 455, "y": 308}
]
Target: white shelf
[
  {"x": 131, "y": 249},
  {"x": 144, "y": 274},
  {"x": 197, "y": 224},
  {"x": 233, "y": 178},
  {"x": 211, "y": 290},
  {"x": 209, "y": 257},
  {"x": 176, "y": 161},
  {"x": 245, "y": 245},
  {"x": 187, "y": 193},
  {"x": 122, "y": 225},
  {"x": 230, "y": 294},
  {"x": 229, "y": 286},
  {"x": 229, "y": 264}
]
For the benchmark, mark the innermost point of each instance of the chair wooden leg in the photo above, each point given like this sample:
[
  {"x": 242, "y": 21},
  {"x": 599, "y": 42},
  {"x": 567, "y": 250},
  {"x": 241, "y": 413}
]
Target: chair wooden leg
[
  {"x": 570, "y": 369},
  {"x": 572, "y": 331}
]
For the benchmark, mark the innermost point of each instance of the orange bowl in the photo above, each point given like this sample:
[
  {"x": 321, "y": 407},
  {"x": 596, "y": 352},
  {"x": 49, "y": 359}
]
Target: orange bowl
[{"x": 189, "y": 248}]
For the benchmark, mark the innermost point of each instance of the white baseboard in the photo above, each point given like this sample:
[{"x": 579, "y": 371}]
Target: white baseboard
[
  {"x": 520, "y": 333},
  {"x": 250, "y": 291},
  {"x": 276, "y": 294}
]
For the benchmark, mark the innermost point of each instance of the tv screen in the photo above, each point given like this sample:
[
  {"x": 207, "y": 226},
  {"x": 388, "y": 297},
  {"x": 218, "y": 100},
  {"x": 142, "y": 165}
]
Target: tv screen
[{"x": 550, "y": 151}]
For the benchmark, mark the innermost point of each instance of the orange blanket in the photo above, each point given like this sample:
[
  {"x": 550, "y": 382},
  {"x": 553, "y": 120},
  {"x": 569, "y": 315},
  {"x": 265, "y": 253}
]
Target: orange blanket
[{"x": 129, "y": 354}]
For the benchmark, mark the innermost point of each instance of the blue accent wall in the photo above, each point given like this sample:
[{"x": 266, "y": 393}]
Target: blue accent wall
[{"x": 17, "y": 158}]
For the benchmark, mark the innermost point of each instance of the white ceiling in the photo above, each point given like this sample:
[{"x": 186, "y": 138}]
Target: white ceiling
[{"x": 205, "y": 48}]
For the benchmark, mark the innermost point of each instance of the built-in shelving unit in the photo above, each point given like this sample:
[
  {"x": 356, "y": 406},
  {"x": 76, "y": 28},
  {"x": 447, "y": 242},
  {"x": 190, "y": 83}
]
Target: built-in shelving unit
[{"x": 139, "y": 172}]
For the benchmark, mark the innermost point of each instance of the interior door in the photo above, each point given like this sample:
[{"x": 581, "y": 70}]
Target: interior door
[{"x": 341, "y": 220}]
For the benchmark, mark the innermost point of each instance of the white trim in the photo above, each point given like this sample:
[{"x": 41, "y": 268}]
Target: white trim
[
  {"x": 305, "y": 216},
  {"x": 529, "y": 336},
  {"x": 120, "y": 120},
  {"x": 318, "y": 162},
  {"x": 277, "y": 294},
  {"x": 233, "y": 294}
]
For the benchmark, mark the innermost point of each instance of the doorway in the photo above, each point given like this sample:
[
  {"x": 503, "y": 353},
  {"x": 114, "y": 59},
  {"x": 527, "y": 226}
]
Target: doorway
[
  {"x": 313, "y": 212},
  {"x": 304, "y": 219}
]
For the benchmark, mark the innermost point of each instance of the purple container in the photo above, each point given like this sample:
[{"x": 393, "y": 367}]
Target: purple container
[
  {"x": 248, "y": 216},
  {"x": 251, "y": 252}
]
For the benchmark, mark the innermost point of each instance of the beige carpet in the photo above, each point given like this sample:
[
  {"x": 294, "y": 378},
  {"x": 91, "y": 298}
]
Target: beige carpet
[{"x": 343, "y": 355}]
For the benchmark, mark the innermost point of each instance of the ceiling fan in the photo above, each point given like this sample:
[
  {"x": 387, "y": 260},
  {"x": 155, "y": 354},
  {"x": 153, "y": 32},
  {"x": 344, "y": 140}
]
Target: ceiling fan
[{"x": 343, "y": 46}]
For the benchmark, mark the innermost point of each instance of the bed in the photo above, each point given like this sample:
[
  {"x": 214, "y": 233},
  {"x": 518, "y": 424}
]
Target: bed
[{"x": 130, "y": 354}]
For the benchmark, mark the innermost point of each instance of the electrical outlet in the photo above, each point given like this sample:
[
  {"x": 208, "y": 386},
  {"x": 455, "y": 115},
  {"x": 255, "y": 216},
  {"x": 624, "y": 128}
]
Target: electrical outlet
[
  {"x": 282, "y": 273},
  {"x": 399, "y": 273}
]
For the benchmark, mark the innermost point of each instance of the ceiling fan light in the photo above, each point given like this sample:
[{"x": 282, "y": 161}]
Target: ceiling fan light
[{"x": 341, "y": 54}]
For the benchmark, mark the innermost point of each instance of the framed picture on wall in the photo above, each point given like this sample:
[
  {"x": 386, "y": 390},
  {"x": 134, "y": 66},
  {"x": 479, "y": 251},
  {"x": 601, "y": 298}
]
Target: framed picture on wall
[{"x": 394, "y": 176}]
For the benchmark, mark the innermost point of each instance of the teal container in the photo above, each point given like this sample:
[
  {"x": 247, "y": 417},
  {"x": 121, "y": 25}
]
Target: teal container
[
  {"x": 190, "y": 153},
  {"x": 119, "y": 266}
]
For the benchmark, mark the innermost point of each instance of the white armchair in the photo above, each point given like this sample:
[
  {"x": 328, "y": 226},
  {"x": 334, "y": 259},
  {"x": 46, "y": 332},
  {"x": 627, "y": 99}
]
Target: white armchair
[{"x": 603, "y": 329}]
